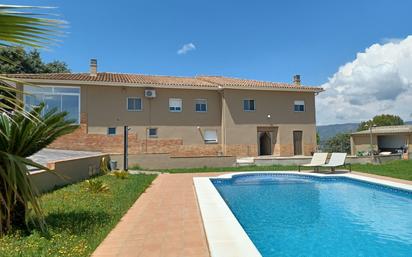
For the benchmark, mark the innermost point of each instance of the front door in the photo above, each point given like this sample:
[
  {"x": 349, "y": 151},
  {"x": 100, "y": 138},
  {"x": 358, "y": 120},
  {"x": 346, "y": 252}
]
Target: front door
[
  {"x": 265, "y": 143},
  {"x": 266, "y": 140},
  {"x": 297, "y": 142}
]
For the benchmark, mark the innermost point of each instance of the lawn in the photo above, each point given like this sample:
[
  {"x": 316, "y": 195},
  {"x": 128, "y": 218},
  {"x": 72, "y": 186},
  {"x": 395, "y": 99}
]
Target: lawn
[
  {"x": 234, "y": 169},
  {"x": 78, "y": 220},
  {"x": 397, "y": 169}
]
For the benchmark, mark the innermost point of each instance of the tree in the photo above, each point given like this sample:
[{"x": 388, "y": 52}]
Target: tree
[
  {"x": 339, "y": 143},
  {"x": 27, "y": 62},
  {"x": 381, "y": 120},
  {"x": 20, "y": 138}
]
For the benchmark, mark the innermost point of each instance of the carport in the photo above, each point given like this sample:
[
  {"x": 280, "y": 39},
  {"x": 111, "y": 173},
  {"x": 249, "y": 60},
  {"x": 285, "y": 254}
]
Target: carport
[
  {"x": 392, "y": 143},
  {"x": 388, "y": 139}
]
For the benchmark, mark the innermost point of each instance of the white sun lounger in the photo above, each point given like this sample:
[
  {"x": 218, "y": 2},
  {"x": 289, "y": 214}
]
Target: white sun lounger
[
  {"x": 318, "y": 159},
  {"x": 337, "y": 160}
]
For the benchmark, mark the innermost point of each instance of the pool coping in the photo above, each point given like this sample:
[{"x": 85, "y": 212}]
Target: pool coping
[{"x": 225, "y": 236}]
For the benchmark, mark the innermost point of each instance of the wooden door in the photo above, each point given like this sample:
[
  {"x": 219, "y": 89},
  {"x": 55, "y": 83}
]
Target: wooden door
[{"x": 297, "y": 142}]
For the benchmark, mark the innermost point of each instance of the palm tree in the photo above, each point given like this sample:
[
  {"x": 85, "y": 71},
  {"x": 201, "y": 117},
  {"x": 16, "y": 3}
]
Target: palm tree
[
  {"x": 20, "y": 138},
  {"x": 24, "y": 133}
]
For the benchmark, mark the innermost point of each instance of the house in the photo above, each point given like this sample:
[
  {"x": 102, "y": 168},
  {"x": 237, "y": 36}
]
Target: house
[
  {"x": 182, "y": 116},
  {"x": 394, "y": 139}
]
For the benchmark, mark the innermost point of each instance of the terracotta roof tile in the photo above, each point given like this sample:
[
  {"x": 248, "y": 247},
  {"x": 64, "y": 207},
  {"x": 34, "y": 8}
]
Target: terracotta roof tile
[
  {"x": 199, "y": 81},
  {"x": 236, "y": 82}
]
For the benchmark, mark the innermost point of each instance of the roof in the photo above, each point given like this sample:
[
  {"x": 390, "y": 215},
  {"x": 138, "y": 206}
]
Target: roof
[
  {"x": 386, "y": 130},
  {"x": 212, "y": 82}
]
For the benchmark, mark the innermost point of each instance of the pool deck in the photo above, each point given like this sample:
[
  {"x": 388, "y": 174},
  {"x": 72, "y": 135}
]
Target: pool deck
[{"x": 166, "y": 222}]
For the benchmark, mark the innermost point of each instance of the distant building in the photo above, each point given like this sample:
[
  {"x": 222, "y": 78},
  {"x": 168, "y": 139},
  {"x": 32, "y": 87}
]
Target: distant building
[
  {"x": 394, "y": 139},
  {"x": 181, "y": 116}
]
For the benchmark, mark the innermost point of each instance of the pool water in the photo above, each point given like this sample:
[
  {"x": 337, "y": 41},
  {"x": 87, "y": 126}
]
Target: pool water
[{"x": 293, "y": 215}]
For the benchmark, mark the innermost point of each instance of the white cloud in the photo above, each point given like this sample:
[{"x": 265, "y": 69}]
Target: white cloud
[
  {"x": 186, "y": 48},
  {"x": 378, "y": 81},
  {"x": 386, "y": 40}
]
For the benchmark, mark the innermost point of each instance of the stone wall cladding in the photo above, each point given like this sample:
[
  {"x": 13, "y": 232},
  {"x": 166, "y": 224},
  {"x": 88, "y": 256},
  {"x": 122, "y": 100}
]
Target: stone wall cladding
[
  {"x": 81, "y": 140},
  {"x": 241, "y": 150}
]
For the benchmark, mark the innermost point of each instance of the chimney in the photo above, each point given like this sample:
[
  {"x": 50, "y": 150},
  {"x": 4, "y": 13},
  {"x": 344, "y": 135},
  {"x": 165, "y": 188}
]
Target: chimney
[
  {"x": 93, "y": 67},
  {"x": 296, "y": 80}
]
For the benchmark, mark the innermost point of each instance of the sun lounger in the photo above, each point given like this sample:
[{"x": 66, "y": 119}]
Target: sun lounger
[
  {"x": 318, "y": 159},
  {"x": 337, "y": 160}
]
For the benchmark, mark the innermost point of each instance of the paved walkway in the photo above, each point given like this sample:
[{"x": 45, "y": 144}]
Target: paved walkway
[{"x": 164, "y": 222}]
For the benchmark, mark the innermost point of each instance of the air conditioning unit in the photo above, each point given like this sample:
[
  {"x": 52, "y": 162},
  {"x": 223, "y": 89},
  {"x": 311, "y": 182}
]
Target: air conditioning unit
[{"x": 150, "y": 93}]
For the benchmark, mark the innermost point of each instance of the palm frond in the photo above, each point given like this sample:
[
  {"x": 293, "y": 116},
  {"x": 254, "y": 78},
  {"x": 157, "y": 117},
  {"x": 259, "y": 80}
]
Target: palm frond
[
  {"x": 25, "y": 25},
  {"x": 20, "y": 138}
]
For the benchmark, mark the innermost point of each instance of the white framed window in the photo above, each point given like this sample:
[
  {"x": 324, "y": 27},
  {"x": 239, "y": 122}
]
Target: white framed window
[
  {"x": 175, "y": 104},
  {"x": 210, "y": 136},
  {"x": 111, "y": 131},
  {"x": 63, "y": 99},
  {"x": 249, "y": 105},
  {"x": 201, "y": 105},
  {"x": 299, "y": 106},
  {"x": 134, "y": 104},
  {"x": 152, "y": 132}
]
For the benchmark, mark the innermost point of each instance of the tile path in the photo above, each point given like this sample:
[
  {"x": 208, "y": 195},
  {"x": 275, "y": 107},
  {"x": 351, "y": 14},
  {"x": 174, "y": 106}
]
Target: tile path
[{"x": 165, "y": 221}]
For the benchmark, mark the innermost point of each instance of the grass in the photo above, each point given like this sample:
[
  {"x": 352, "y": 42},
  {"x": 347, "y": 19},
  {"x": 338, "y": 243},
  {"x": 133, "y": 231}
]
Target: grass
[
  {"x": 397, "y": 169},
  {"x": 234, "y": 169},
  {"x": 78, "y": 220}
]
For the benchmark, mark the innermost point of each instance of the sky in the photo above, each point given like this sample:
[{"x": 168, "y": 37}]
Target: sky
[{"x": 359, "y": 51}]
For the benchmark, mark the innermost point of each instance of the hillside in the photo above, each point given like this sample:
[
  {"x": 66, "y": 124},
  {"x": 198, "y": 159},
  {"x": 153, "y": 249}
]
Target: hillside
[{"x": 328, "y": 131}]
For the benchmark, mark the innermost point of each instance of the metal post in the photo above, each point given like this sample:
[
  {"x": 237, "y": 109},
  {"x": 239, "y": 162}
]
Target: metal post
[
  {"x": 371, "y": 142},
  {"x": 125, "y": 157}
]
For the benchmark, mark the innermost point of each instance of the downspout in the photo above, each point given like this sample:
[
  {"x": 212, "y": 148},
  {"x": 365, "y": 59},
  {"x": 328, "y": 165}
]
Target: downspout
[{"x": 223, "y": 121}]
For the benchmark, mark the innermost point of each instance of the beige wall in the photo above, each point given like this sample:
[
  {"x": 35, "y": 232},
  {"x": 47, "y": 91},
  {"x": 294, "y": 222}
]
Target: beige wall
[
  {"x": 66, "y": 172},
  {"x": 105, "y": 106},
  {"x": 241, "y": 126}
]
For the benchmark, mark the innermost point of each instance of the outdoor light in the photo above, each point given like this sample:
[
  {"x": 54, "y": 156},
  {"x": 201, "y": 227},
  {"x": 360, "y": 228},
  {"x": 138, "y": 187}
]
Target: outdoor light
[{"x": 268, "y": 116}]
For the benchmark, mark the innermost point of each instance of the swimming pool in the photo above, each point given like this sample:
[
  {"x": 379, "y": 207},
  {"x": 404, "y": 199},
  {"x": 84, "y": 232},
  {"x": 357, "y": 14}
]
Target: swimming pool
[{"x": 301, "y": 215}]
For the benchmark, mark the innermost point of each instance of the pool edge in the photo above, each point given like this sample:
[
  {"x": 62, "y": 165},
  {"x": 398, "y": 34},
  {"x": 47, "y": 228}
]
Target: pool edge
[{"x": 225, "y": 236}]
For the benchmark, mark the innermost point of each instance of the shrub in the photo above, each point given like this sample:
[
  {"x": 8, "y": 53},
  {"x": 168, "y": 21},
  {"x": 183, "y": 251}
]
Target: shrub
[
  {"x": 121, "y": 174},
  {"x": 96, "y": 186}
]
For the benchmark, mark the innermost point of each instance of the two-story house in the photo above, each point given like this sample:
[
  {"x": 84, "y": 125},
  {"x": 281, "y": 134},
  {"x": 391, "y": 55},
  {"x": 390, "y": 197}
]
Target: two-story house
[{"x": 183, "y": 116}]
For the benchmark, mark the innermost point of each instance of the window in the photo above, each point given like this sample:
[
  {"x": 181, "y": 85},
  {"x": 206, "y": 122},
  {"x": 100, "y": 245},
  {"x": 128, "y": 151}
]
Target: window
[
  {"x": 152, "y": 132},
  {"x": 299, "y": 106},
  {"x": 201, "y": 105},
  {"x": 249, "y": 105},
  {"x": 134, "y": 104},
  {"x": 111, "y": 131},
  {"x": 210, "y": 136},
  {"x": 62, "y": 98},
  {"x": 175, "y": 104}
]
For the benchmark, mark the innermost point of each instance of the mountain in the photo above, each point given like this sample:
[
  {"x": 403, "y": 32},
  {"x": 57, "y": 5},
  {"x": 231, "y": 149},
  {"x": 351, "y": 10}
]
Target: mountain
[{"x": 328, "y": 131}]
